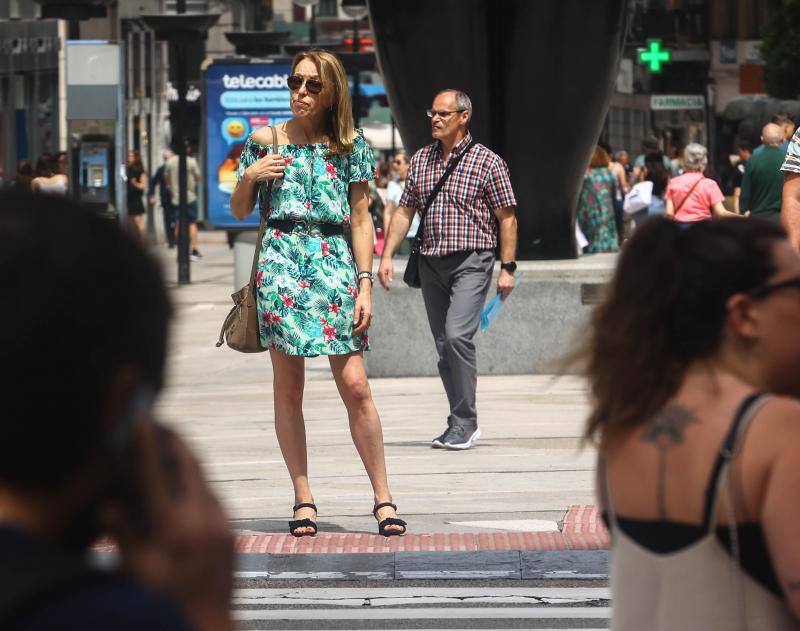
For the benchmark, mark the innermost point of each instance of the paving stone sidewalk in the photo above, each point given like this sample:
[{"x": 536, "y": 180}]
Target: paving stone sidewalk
[{"x": 527, "y": 480}]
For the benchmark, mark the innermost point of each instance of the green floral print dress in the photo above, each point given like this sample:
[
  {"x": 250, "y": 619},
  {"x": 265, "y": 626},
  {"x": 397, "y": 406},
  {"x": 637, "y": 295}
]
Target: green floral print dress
[
  {"x": 596, "y": 211},
  {"x": 306, "y": 283}
]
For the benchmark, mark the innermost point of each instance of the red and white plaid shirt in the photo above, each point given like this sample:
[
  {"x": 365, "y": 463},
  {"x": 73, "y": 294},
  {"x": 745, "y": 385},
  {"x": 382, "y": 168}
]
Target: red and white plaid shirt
[{"x": 461, "y": 216}]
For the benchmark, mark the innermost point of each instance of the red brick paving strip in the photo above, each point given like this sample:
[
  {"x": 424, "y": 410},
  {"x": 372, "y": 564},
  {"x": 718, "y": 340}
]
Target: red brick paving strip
[{"x": 583, "y": 530}]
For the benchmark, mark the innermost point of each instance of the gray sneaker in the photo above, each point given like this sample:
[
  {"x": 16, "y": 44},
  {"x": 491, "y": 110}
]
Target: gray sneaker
[
  {"x": 460, "y": 438},
  {"x": 438, "y": 442}
]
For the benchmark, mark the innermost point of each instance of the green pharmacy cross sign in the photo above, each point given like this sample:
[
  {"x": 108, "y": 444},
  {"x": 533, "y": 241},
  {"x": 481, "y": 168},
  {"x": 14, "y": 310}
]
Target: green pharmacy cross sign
[{"x": 654, "y": 56}]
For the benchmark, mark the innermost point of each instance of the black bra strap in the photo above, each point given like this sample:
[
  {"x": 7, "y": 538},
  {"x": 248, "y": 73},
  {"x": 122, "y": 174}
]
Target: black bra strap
[{"x": 725, "y": 454}]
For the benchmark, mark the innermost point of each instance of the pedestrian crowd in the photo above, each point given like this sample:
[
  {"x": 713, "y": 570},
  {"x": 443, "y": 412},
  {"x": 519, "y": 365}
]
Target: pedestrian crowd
[{"x": 616, "y": 195}]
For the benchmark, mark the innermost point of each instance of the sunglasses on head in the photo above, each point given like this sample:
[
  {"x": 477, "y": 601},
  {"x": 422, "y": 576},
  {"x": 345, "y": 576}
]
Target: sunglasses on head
[{"x": 295, "y": 82}]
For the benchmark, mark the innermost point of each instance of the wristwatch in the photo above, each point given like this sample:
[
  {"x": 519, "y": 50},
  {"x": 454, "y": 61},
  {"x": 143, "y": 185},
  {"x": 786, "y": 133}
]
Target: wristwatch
[{"x": 510, "y": 267}]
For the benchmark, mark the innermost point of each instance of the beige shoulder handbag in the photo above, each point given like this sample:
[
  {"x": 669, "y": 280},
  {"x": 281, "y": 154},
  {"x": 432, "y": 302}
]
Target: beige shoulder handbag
[{"x": 240, "y": 328}]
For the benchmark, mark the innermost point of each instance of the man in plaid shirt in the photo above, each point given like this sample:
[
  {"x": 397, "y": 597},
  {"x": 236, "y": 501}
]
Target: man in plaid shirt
[{"x": 460, "y": 234}]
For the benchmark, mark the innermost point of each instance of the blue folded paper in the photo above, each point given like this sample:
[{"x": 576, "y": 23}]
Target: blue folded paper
[{"x": 490, "y": 312}]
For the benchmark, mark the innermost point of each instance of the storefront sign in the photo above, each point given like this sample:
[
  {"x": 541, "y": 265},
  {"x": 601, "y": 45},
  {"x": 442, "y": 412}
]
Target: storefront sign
[
  {"x": 677, "y": 102},
  {"x": 238, "y": 99}
]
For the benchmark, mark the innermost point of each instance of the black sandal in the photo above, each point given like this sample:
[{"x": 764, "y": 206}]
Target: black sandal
[
  {"x": 303, "y": 523},
  {"x": 389, "y": 521}
]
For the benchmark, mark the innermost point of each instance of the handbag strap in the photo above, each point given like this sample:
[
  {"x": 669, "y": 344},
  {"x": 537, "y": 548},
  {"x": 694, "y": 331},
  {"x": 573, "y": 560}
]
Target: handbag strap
[
  {"x": 453, "y": 164},
  {"x": 264, "y": 211},
  {"x": 691, "y": 190}
]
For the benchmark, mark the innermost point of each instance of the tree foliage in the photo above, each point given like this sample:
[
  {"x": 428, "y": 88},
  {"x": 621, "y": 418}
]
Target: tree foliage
[{"x": 781, "y": 49}]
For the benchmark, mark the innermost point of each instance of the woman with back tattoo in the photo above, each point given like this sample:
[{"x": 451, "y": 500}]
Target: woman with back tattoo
[{"x": 692, "y": 361}]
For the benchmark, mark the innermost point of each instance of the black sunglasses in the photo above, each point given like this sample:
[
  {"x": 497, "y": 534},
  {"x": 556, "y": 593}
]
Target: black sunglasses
[
  {"x": 764, "y": 290},
  {"x": 295, "y": 82}
]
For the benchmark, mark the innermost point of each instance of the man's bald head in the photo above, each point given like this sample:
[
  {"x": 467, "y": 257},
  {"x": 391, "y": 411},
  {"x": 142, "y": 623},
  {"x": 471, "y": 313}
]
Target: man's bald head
[{"x": 772, "y": 135}]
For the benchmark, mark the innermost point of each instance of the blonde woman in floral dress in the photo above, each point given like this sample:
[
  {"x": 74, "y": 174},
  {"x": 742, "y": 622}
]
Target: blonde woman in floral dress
[{"x": 313, "y": 298}]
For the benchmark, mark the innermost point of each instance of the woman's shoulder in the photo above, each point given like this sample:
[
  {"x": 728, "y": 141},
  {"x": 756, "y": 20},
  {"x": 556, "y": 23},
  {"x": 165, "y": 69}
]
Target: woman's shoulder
[{"x": 263, "y": 135}]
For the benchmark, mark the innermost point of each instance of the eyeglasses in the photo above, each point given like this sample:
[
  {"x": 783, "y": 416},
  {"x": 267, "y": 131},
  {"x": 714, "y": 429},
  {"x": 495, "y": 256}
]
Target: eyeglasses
[
  {"x": 764, "y": 290},
  {"x": 398, "y": 162},
  {"x": 295, "y": 82},
  {"x": 441, "y": 113}
]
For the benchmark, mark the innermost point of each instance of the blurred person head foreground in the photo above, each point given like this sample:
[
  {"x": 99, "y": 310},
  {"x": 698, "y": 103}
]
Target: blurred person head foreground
[
  {"x": 695, "y": 324},
  {"x": 81, "y": 455}
]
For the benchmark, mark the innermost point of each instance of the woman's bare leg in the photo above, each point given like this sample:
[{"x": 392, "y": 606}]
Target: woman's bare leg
[
  {"x": 365, "y": 424},
  {"x": 288, "y": 383}
]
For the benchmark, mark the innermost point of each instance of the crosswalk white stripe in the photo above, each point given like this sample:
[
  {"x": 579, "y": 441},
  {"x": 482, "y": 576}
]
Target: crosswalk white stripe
[
  {"x": 381, "y": 597},
  {"x": 482, "y": 613}
]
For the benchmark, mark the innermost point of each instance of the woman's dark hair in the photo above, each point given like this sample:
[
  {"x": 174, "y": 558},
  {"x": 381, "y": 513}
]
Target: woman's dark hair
[
  {"x": 656, "y": 173},
  {"x": 44, "y": 165},
  {"x": 84, "y": 301},
  {"x": 666, "y": 308},
  {"x": 136, "y": 163},
  {"x": 24, "y": 175}
]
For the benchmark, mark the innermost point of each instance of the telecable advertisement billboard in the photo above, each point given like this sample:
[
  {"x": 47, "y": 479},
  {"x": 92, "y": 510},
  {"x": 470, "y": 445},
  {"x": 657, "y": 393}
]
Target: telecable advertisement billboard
[{"x": 238, "y": 99}]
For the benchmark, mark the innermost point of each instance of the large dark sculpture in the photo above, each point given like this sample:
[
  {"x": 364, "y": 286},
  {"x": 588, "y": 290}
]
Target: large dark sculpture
[{"x": 540, "y": 74}]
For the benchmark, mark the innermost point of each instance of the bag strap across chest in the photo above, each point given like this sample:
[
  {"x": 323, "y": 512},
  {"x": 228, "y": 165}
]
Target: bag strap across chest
[{"x": 428, "y": 202}]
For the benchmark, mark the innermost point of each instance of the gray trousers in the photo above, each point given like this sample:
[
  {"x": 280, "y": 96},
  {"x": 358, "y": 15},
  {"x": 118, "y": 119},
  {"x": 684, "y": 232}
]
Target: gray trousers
[{"x": 454, "y": 289}]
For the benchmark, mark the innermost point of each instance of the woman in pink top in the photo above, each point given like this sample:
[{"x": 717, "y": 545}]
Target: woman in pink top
[{"x": 692, "y": 196}]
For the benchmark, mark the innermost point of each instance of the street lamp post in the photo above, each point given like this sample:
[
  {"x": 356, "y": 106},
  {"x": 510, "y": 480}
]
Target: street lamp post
[
  {"x": 312, "y": 24},
  {"x": 178, "y": 30},
  {"x": 357, "y": 10}
]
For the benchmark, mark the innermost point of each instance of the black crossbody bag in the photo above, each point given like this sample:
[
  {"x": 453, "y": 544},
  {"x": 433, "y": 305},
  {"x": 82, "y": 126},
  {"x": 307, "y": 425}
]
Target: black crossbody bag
[{"x": 411, "y": 275}]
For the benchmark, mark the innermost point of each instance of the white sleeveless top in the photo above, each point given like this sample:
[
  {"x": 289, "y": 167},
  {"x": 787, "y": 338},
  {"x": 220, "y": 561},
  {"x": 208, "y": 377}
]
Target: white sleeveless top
[{"x": 699, "y": 587}]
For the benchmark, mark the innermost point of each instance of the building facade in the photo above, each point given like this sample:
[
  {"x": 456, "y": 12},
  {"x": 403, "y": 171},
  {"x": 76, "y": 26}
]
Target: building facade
[{"x": 714, "y": 47}]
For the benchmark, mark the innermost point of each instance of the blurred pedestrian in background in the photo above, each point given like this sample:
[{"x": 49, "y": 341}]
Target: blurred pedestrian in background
[
  {"x": 48, "y": 179},
  {"x": 460, "y": 231},
  {"x": 159, "y": 180},
  {"x": 650, "y": 145},
  {"x": 745, "y": 148},
  {"x": 762, "y": 183},
  {"x": 394, "y": 191},
  {"x": 621, "y": 187},
  {"x": 698, "y": 466},
  {"x": 786, "y": 124},
  {"x": 655, "y": 172},
  {"x": 692, "y": 196},
  {"x": 595, "y": 205},
  {"x": 193, "y": 179},
  {"x": 23, "y": 177},
  {"x": 314, "y": 294},
  {"x": 89, "y": 459},
  {"x": 135, "y": 186}
]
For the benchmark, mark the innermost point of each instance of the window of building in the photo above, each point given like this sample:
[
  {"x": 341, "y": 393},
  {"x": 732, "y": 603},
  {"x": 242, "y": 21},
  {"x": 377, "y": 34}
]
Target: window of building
[{"x": 328, "y": 8}]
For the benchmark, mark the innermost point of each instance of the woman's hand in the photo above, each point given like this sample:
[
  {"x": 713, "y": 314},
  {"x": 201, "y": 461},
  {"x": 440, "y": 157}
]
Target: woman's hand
[
  {"x": 362, "y": 317},
  {"x": 270, "y": 167}
]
